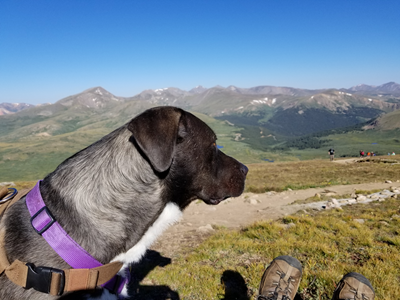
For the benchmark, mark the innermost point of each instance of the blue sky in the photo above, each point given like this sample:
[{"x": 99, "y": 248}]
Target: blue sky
[{"x": 50, "y": 49}]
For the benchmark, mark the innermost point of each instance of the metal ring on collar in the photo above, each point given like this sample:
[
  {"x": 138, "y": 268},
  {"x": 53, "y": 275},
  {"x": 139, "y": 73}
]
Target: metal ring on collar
[{"x": 10, "y": 195}]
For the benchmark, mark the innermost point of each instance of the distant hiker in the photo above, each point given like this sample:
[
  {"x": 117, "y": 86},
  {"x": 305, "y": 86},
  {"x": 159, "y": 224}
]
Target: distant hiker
[
  {"x": 361, "y": 154},
  {"x": 331, "y": 153},
  {"x": 393, "y": 153},
  {"x": 368, "y": 154}
]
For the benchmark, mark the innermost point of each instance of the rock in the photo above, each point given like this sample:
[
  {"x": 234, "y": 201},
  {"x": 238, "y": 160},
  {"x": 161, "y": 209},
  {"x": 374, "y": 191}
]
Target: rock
[
  {"x": 252, "y": 201},
  {"x": 344, "y": 201},
  {"x": 205, "y": 229},
  {"x": 271, "y": 193},
  {"x": 395, "y": 217},
  {"x": 290, "y": 225},
  {"x": 351, "y": 201},
  {"x": 353, "y": 195},
  {"x": 384, "y": 223},
  {"x": 381, "y": 199},
  {"x": 328, "y": 205},
  {"x": 386, "y": 193},
  {"x": 318, "y": 195},
  {"x": 361, "y": 221},
  {"x": 289, "y": 190},
  {"x": 330, "y": 194},
  {"x": 333, "y": 203},
  {"x": 361, "y": 198},
  {"x": 287, "y": 226},
  {"x": 388, "y": 181},
  {"x": 394, "y": 196},
  {"x": 374, "y": 196}
]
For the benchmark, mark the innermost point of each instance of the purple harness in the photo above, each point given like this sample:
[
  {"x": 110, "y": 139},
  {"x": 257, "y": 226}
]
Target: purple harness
[{"x": 70, "y": 251}]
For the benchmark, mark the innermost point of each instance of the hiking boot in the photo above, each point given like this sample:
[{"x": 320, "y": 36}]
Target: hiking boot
[
  {"x": 354, "y": 286},
  {"x": 281, "y": 279}
]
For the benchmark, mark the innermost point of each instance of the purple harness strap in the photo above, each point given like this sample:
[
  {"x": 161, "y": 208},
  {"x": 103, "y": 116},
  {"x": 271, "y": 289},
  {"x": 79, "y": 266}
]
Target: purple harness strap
[{"x": 69, "y": 250}]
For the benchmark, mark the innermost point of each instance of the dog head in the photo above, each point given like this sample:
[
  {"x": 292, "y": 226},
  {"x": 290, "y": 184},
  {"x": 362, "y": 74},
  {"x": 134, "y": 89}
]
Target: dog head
[{"x": 182, "y": 148}]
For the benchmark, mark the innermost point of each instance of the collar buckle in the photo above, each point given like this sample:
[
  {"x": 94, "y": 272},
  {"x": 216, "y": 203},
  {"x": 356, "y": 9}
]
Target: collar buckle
[{"x": 41, "y": 222}]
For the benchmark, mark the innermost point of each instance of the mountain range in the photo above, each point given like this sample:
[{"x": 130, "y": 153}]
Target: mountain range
[
  {"x": 281, "y": 111},
  {"x": 11, "y": 108},
  {"x": 256, "y": 124}
]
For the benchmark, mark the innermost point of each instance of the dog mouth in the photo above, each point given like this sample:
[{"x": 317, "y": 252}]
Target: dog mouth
[{"x": 215, "y": 201}]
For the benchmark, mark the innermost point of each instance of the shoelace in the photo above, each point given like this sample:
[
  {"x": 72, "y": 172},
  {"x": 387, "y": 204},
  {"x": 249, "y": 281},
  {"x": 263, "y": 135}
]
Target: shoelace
[
  {"x": 363, "y": 297},
  {"x": 274, "y": 295},
  {"x": 261, "y": 297}
]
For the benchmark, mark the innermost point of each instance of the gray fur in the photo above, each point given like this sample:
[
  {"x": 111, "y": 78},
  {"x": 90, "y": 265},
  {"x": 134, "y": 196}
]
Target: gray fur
[{"x": 108, "y": 195}]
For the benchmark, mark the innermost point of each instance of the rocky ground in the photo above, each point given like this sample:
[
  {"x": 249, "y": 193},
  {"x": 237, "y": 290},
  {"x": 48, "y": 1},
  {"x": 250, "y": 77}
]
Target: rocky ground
[{"x": 199, "y": 219}]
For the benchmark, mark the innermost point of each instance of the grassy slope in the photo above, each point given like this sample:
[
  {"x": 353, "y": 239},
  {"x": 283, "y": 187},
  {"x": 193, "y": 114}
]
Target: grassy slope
[
  {"x": 329, "y": 244},
  {"x": 316, "y": 173},
  {"x": 32, "y": 157},
  {"x": 29, "y": 157},
  {"x": 32, "y": 160},
  {"x": 349, "y": 144}
]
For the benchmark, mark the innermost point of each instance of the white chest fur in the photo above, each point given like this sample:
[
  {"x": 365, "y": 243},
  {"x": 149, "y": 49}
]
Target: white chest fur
[{"x": 170, "y": 215}]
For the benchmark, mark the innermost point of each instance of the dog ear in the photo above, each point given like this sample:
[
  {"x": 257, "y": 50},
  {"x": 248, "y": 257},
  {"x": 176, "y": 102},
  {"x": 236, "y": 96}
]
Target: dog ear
[{"x": 156, "y": 132}]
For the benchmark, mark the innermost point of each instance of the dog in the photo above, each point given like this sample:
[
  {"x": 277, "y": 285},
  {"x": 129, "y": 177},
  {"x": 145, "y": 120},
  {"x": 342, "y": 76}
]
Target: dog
[{"x": 115, "y": 197}]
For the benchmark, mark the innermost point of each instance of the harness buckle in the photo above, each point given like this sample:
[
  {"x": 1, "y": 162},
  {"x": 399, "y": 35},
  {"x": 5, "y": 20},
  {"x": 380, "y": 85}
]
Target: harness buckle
[
  {"x": 48, "y": 218},
  {"x": 39, "y": 278}
]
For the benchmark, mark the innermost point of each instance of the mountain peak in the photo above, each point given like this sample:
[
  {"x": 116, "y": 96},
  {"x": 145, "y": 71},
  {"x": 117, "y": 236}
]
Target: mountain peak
[
  {"x": 390, "y": 87},
  {"x": 198, "y": 90},
  {"x": 11, "y": 108},
  {"x": 96, "y": 97}
]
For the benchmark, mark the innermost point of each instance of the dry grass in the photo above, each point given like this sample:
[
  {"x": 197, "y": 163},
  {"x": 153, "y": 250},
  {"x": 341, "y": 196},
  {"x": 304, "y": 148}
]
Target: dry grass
[
  {"x": 316, "y": 173},
  {"x": 329, "y": 244}
]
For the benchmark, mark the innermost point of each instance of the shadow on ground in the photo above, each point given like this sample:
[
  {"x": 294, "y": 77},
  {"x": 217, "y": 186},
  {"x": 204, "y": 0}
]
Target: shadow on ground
[
  {"x": 139, "y": 271},
  {"x": 234, "y": 284}
]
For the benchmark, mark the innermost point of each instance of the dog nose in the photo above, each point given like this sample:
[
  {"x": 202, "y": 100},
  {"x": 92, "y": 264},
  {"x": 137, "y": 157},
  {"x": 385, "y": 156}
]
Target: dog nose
[{"x": 244, "y": 169}]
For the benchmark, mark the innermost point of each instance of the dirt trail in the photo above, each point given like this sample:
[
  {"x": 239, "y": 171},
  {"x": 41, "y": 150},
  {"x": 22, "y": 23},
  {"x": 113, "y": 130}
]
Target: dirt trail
[{"x": 199, "y": 218}]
